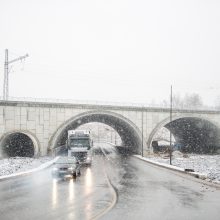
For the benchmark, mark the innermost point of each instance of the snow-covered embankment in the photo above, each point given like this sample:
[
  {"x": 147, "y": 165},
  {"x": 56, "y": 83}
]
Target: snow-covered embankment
[
  {"x": 206, "y": 164},
  {"x": 14, "y": 165}
]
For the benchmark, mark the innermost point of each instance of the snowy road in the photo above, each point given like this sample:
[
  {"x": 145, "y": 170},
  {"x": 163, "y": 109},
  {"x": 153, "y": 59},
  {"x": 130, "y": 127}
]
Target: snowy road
[{"x": 144, "y": 192}]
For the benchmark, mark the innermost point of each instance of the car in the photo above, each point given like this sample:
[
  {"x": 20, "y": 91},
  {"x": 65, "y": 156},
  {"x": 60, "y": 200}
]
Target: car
[
  {"x": 66, "y": 166},
  {"x": 84, "y": 158}
]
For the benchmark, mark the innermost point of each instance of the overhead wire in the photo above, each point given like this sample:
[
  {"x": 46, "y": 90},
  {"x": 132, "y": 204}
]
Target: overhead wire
[{"x": 127, "y": 79}]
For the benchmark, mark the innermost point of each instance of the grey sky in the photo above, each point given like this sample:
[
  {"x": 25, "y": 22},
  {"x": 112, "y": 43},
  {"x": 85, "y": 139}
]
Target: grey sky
[{"x": 115, "y": 50}]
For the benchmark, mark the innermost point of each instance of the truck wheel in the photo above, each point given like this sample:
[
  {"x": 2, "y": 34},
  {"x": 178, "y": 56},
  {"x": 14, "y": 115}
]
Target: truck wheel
[
  {"x": 79, "y": 173},
  {"x": 74, "y": 175}
]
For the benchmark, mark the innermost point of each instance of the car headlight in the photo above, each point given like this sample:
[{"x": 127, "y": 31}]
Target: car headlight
[
  {"x": 55, "y": 168},
  {"x": 70, "y": 168}
]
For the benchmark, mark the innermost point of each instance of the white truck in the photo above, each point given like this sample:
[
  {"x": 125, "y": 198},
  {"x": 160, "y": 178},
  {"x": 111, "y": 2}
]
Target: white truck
[{"x": 79, "y": 145}]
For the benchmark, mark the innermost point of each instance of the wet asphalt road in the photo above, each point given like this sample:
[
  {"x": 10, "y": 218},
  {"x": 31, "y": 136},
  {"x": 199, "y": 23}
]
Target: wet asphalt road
[
  {"x": 144, "y": 192},
  {"x": 149, "y": 192},
  {"x": 39, "y": 196}
]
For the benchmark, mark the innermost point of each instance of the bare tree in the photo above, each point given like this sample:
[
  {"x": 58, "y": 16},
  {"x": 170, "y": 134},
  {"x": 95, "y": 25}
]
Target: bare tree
[
  {"x": 178, "y": 101},
  {"x": 189, "y": 101},
  {"x": 192, "y": 101},
  {"x": 217, "y": 103}
]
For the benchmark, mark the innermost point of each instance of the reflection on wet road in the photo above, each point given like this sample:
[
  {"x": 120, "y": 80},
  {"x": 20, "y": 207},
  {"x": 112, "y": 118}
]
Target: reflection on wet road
[
  {"x": 144, "y": 192},
  {"x": 149, "y": 192},
  {"x": 39, "y": 196}
]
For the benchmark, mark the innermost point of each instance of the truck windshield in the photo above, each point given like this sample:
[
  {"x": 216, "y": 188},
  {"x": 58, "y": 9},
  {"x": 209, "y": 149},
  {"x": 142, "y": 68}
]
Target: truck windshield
[{"x": 79, "y": 142}]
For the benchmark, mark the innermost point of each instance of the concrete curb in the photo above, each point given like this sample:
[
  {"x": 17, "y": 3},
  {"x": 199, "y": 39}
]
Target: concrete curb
[
  {"x": 41, "y": 167},
  {"x": 171, "y": 167}
]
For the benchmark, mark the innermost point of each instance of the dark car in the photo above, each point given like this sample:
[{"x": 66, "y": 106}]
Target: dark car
[{"x": 66, "y": 166}]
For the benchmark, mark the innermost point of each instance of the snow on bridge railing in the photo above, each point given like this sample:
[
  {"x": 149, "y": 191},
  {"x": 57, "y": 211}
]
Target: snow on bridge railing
[
  {"x": 75, "y": 101},
  {"x": 106, "y": 103}
]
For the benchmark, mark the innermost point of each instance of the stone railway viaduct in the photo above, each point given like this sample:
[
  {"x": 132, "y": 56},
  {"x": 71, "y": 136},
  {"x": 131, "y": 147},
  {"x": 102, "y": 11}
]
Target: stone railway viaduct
[{"x": 46, "y": 124}]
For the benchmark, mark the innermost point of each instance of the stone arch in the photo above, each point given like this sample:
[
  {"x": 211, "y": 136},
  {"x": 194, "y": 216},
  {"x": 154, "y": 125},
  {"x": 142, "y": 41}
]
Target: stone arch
[
  {"x": 127, "y": 130},
  {"x": 8, "y": 135},
  {"x": 200, "y": 124}
]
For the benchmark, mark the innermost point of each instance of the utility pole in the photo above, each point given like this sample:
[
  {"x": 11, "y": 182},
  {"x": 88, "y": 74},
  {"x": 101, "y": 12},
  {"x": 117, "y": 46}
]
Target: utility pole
[
  {"x": 142, "y": 131},
  {"x": 171, "y": 111},
  {"x": 5, "y": 87},
  {"x": 98, "y": 134},
  {"x": 115, "y": 137},
  {"x": 6, "y": 73}
]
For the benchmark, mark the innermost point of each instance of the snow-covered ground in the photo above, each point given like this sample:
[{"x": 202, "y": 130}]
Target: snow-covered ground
[
  {"x": 19, "y": 164},
  {"x": 207, "y": 164}
]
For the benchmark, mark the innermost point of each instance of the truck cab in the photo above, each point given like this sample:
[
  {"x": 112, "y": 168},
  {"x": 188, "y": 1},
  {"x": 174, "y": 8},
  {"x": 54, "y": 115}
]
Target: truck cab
[{"x": 79, "y": 145}]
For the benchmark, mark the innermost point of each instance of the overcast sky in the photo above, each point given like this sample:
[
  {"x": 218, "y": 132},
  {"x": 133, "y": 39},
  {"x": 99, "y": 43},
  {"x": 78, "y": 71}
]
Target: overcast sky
[{"x": 112, "y": 50}]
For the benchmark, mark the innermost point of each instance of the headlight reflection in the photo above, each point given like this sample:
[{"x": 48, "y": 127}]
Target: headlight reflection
[
  {"x": 88, "y": 178},
  {"x": 88, "y": 190},
  {"x": 88, "y": 181},
  {"x": 54, "y": 193},
  {"x": 71, "y": 190}
]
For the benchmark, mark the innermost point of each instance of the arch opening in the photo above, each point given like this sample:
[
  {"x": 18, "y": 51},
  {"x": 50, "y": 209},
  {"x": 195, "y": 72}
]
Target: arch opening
[
  {"x": 128, "y": 132},
  {"x": 194, "y": 135},
  {"x": 17, "y": 145},
  {"x": 102, "y": 133}
]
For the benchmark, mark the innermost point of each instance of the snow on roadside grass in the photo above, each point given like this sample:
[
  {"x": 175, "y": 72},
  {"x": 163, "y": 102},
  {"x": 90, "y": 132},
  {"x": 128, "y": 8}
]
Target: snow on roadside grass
[
  {"x": 207, "y": 164},
  {"x": 19, "y": 164}
]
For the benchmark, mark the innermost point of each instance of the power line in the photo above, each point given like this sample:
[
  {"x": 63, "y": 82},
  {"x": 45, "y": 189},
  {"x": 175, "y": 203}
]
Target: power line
[{"x": 6, "y": 72}]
